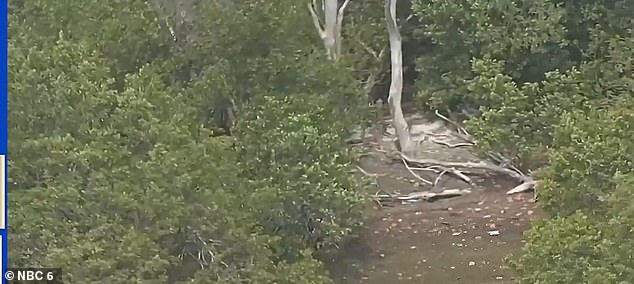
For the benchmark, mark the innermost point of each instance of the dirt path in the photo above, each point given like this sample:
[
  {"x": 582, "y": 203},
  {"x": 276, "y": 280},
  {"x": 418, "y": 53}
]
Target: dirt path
[{"x": 458, "y": 240}]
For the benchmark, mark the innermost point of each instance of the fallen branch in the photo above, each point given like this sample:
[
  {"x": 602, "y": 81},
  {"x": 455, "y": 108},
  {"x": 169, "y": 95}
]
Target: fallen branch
[
  {"x": 462, "y": 132},
  {"x": 438, "y": 169},
  {"x": 469, "y": 165},
  {"x": 438, "y": 177},
  {"x": 367, "y": 173},
  {"x": 460, "y": 175},
  {"x": 445, "y": 143},
  {"x": 527, "y": 182},
  {"x": 416, "y": 175},
  {"x": 427, "y": 169},
  {"x": 503, "y": 161},
  {"x": 526, "y": 186},
  {"x": 426, "y": 196}
]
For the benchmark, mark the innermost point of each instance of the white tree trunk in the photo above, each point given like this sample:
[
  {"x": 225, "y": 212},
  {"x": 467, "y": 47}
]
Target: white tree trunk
[
  {"x": 407, "y": 146},
  {"x": 330, "y": 32}
]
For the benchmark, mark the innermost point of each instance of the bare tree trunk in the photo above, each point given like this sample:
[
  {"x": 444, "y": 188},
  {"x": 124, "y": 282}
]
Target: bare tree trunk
[
  {"x": 330, "y": 32},
  {"x": 407, "y": 146}
]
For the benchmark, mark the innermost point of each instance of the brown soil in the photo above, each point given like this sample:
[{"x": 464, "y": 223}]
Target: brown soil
[{"x": 445, "y": 241}]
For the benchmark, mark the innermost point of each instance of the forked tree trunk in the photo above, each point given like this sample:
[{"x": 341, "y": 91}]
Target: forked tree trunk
[
  {"x": 407, "y": 146},
  {"x": 330, "y": 31}
]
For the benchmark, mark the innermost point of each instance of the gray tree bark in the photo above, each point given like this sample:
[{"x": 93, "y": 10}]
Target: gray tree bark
[
  {"x": 330, "y": 31},
  {"x": 407, "y": 146}
]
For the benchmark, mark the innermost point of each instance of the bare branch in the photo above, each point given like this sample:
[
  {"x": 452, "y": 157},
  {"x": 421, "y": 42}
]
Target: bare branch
[
  {"x": 418, "y": 196},
  {"x": 416, "y": 175},
  {"x": 339, "y": 26},
  {"x": 316, "y": 22},
  {"x": 461, "y": 175},
  {"x": 367, "y": 173},
  {"x": 526, "y": 186},
  {"x": 469, "y": 165},
  {"x": 445, "y": 143},
  {"x": 372, "y": 52},
  {"x": 438, "y": 177},
  {"x": 461, "y": 130}
]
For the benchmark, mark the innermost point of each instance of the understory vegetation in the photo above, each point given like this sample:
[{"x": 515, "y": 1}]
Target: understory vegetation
[{"x": 204, "y": 141}]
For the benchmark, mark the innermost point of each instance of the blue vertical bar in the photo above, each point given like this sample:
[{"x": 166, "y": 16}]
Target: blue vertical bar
[{"x": 4, "y": 125}]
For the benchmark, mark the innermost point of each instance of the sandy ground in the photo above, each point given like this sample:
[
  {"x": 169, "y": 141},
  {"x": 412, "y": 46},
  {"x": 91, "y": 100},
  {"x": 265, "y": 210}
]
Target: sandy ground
[{"x": 462, "y": 239}]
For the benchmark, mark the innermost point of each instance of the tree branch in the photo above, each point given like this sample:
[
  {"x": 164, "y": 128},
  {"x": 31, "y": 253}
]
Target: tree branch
[
  {"x": 339, "y": 27},
  {"x": 316, "y": 22}
]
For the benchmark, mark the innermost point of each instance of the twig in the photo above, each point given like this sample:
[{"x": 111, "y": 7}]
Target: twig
[{"x": 371, "y": 51}]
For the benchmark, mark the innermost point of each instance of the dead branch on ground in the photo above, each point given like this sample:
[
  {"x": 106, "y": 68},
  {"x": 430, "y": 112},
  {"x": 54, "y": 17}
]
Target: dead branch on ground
[
  {"x": 416, "y": 175},
  {"x": 461, "y": 131},
  {"x": 527, "y": 182},
  {"x": 421, "y": 196},
  {"x": 445, "y": 143}
]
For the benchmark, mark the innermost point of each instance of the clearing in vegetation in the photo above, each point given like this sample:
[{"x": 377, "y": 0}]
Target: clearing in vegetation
[{"x": 458, "y": 229}]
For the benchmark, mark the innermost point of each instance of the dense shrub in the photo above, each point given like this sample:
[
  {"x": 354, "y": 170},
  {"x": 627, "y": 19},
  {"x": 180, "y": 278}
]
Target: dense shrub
[
  {"x": 294, "y": 155},
  {"x": 587, "y": 188},
  {"x": 117, "y": 175},
  {"x": 589, "y": 150},
  {"x": 579, "y": 248}
]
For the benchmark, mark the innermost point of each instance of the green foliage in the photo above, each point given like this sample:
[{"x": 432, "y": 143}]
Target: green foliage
[
  {"x": 587, "y": 183},
  {"x": 256, "y": 47},
  {"x": 125, "y": 31},
  {"x": 294, "y": 156},
  {"x": 590, "y": 149},
  {"x": 116, "y": 175},
  {"x": 528, "y": 36},
  {"x": 131, "y": 191},
  {"x": 582, "y": 249},
  {"x": 520, "y": 119},
  {"x": 529, "y": 39}
]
